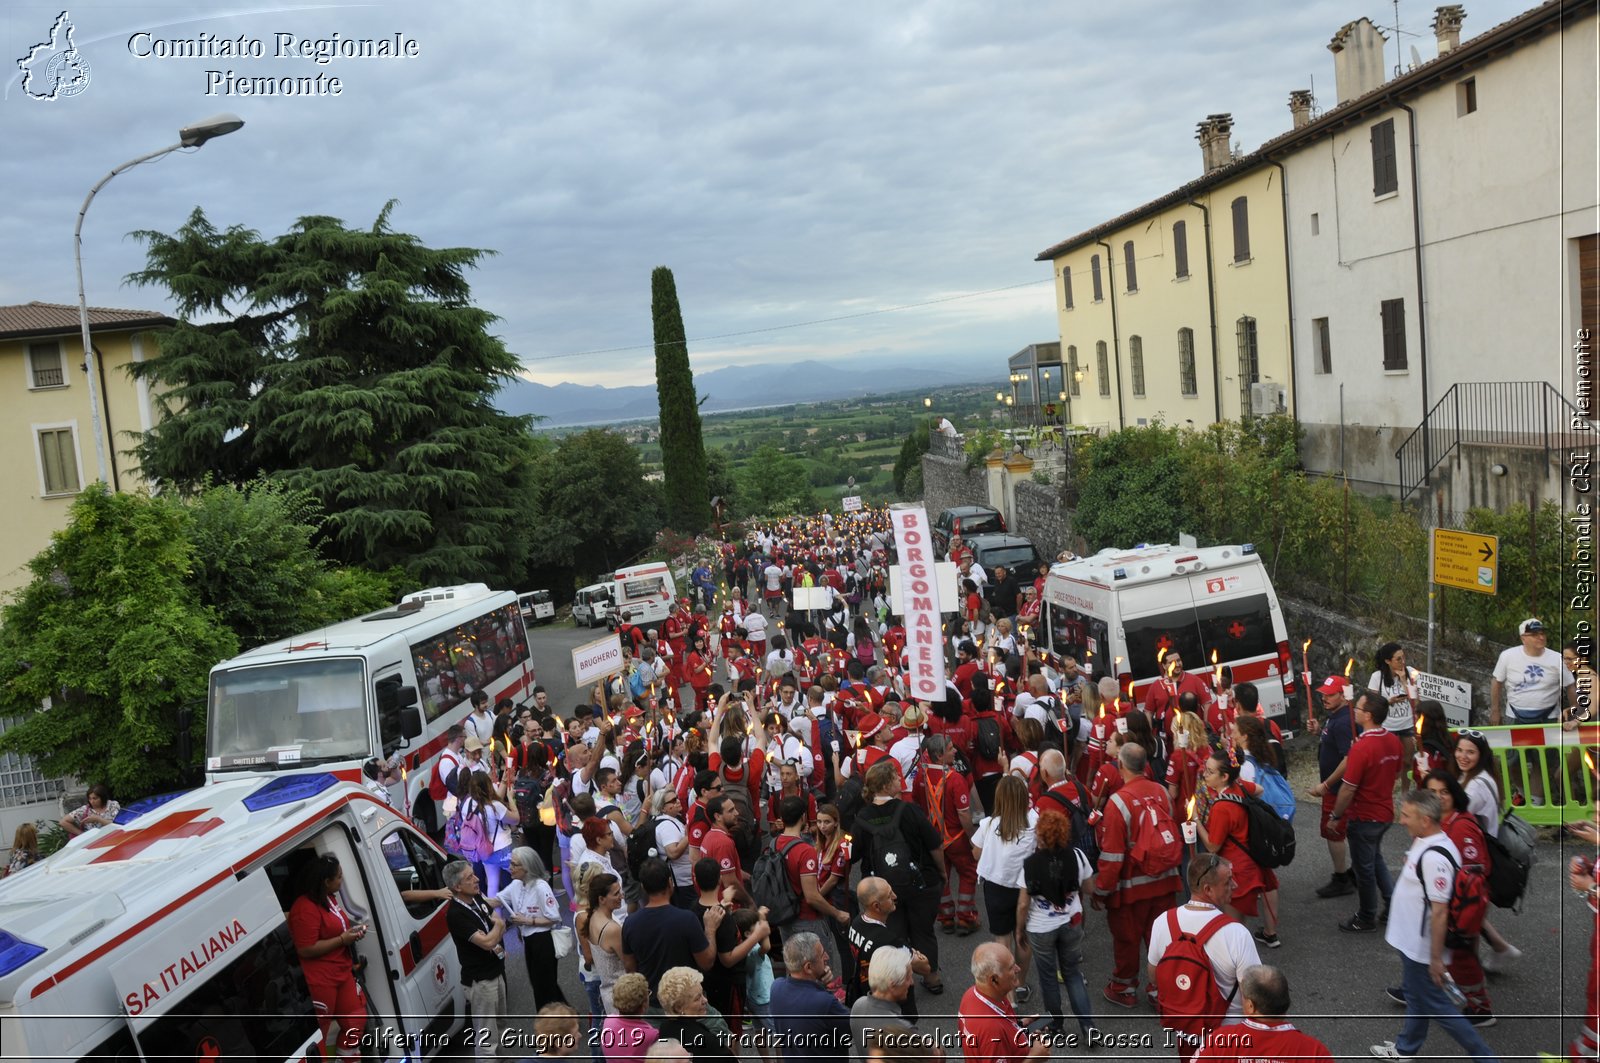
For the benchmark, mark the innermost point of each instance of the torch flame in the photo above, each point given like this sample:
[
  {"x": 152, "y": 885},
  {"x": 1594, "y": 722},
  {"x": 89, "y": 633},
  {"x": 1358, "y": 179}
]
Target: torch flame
[
  {"x": 1188, "y": 810},
  {"x": 1588, "y": 760},
  {"x": 1351, "y": 663},
  {"x": 1419, "y": 726},
  {"x": 1304, "y": 646},
  {"x": 1161, "y": 655}
]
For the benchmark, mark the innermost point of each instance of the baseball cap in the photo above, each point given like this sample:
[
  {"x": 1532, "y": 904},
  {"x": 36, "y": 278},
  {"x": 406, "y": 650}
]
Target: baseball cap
[
  {"x": 1531, "y": 626},
  {"x": 1334, "y": 684},
  {"x": 870, "y": 724},
  {"x": 473, "y": 742}
]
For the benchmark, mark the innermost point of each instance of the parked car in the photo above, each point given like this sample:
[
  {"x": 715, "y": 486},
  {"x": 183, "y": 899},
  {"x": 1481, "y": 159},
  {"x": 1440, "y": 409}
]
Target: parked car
[
  {"x": 592, "y": 606},
  {"x": 1020, "y": 557},
  {"x": 537, "y": 607},
  {"x": 965, "y": 521}
]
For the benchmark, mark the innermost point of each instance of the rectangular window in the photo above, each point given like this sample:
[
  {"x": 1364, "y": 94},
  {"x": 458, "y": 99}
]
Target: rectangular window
[
  {"x": 1237, "y": 629},
  {"x": 1241, "y": 230},
  {"x": 1103, "y": 364},
  {"x": 1136, "y": 364},
  {"x": 21, "y": 783},
  {"x": 1385, "y": 177},
  {"x": 1393, "y": 312},
  {"x": 1316, "y": 224},
  {"x": 1073, "y": 373},
  {"x": 1186, "y": 371},
  {"x": 474, "y": 655},
  {"x": 1094, "y": 278},
  {"x": 1075, "y": 634},
  {"x": 1321, "y": 350},
  {"x": 1249, "y": 361},
  {"x": 1466, "y": 97},
  {"x": 45, "y": 369},
  {"x": 1180, "y": 249},
  {"x": 1066, "y": 287},
  {"x": 58, "y": 457},
  {"x": 1128, "y": 268}
]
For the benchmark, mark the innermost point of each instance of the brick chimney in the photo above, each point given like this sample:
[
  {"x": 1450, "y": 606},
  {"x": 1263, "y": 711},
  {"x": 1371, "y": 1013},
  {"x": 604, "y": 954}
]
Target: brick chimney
[
  {"x": 1447, "y": 27},
  {"x": 1357, "y": 59},
  {"x": 1213, "y": 136},
  {"x": 1300, "y": 107}
]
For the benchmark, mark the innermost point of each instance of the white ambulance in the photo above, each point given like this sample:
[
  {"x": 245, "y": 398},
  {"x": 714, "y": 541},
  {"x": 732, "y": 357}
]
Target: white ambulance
[
  {"x": 1120, "y": 611},
  {"x": 643, "y": 594},
  {"x": 165, "y": 936}
]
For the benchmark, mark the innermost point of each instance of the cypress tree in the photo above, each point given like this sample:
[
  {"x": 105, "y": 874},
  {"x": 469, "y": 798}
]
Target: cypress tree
[{"x": 683, "y": 453}]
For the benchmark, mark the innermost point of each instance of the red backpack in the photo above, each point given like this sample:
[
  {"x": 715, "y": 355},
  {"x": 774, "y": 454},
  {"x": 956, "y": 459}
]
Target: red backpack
[
  {"x": 1186, "y": 985},
  {"x": 1156, "y": 846},
  {"x": 1469, "y": 901}
]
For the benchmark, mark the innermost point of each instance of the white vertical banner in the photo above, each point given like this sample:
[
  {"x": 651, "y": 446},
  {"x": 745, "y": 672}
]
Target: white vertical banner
[{"x": 924, "y": 635}]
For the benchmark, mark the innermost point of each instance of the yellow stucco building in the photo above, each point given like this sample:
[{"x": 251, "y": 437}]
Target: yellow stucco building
[
  {"x": 47, "y": 438},
  {"x": 1179, "y": 309}
]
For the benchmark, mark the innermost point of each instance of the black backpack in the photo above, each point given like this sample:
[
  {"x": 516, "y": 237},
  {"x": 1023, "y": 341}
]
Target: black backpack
[
  {"x": 642, "y": 845},
  {"x": 987, "y": 744},
  {"x": 1052, "y": 874},
  {"x": 892, "y": 857},
  {"x": 770, "y": 885},
  {"x": 851, "y": 800},
  {"x": 1508, "y": 875},
  {"x": 1054, "y": 736},
  {"x": 1269, "y": 837},
  {"x": 1082, "y": 833}
]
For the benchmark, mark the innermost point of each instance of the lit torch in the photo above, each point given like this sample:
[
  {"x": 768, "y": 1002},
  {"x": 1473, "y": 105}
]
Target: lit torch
[
  {"x": 1349, "y": 690},
  {"x": 1305, "y": 667},
  {"x": 1216, "y": 673},
  {"x": 1588, "y": 761},
  {"x": 1191, "y": 830}
]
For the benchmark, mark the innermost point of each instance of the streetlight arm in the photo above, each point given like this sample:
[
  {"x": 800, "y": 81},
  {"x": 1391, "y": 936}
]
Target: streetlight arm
[{"x": 83, "y": 303}]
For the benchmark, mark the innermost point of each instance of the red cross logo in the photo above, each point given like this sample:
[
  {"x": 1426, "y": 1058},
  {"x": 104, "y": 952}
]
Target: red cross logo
[
  {"x": 1236, "y": 630},
  {"x": 208, "y": 1048},
  {"x": 1163, "y": 643},
  {"x": 438, "y": 974},
  {"x": 126, "y": 844}
]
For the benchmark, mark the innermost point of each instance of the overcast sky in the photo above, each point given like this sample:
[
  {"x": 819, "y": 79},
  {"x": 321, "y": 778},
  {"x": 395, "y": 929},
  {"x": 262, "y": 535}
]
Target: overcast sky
[{"x": 791, "y": 165}]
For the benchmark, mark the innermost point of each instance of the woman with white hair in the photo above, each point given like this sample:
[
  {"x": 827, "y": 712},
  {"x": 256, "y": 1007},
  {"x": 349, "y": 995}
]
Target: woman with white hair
[
  {"x": 683, "y": 997},
  {"x": 531, "y": 909},
  {"x": 889, "y": 978}
]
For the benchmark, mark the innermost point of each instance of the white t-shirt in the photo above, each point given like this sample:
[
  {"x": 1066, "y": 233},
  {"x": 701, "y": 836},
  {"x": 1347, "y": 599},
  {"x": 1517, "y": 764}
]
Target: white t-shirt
[
  {"x": 1401, "y": 719},
  {"x": 1001, "y": 861},
  {"x": 1043, "y": 916},
  {"x": 782, "y": 748},
  {"x": 906, "y": 752},
  {"x": 670, "y": 831},
  {"x": 774, "y": 577},
  {"x": 755, "y": 626},
  {"x": 1483, "y": 801},
  {"x": 531, "y": 898},
  {"x": 1231, "y": 950},
  {"x": 780, "y": 663},
  {"x": 1408, "y": 928},
  {"x": 480, "y": 725},
  {"x": 1533, "y": 684}
]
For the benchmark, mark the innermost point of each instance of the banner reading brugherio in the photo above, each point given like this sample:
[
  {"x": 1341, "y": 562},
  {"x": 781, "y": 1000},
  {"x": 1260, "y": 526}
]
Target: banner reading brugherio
[{"x": 924, "y": 633}]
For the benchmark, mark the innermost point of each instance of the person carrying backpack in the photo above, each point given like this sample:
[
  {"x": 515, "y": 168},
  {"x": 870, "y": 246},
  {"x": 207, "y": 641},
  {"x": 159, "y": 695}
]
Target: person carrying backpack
[
  {"x": 1197, "y": 955},
  {"x": 895, "y": 841},
  {"x": 1137, "y": 876},
  {"x": 1226, "y": 832}
]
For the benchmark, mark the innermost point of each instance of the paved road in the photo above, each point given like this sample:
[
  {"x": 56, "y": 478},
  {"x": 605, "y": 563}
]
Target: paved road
[{"x": 1337, "y": 979}]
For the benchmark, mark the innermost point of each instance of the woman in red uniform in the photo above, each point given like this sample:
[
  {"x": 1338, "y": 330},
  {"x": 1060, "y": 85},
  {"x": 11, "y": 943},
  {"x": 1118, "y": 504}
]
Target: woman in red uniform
[
  {"x": 1226, "y": 831},
  {"x": 323, "y": 934},
  {"x": 1463, "y": 828}
]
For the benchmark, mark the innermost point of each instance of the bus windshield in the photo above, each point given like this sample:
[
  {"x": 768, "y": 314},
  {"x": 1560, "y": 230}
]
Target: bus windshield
[{"x": 287, "y": 715}]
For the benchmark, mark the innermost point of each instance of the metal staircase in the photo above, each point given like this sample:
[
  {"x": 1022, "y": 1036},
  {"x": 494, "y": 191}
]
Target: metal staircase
[{"x": 1520, "y": 413}]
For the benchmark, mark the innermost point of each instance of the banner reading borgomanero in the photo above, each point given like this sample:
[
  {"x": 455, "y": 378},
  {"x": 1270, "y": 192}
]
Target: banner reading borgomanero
[{"x": 924, "y": 632}]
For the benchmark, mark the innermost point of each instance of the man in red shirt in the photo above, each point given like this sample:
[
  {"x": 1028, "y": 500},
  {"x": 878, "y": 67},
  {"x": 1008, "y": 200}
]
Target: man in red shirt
[
  {"x": 800, "y": 860},
  {"x": 990, "y": 1029},
  {"x": 1131, "y": 895},
  {"x": 1162, "y": 696},
  {"x": 876, "y": 738},
  {"x": 946, "y": 795},
  {"x": 966, "y": 667},
  {"x": 1367, "y": 797},
  {"x": 718, "y": 844},
  {"x": 1265, "y": 1036}
]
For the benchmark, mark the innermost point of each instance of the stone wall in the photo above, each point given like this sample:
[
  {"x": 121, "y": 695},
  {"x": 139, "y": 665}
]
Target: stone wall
[
  {"x": 1043, "y": 518},
  {"x": 946, "y": 480}
]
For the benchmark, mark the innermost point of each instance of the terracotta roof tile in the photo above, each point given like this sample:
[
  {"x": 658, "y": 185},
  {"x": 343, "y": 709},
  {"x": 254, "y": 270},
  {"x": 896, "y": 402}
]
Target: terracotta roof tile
[{"x": 58, "y": 319}]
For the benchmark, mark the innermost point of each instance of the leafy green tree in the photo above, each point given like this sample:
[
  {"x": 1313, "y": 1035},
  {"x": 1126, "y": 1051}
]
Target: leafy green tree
[
  {"x": 1133, "y": 488},
  {"x": 911, "y": 452},
  {"x": 595, "y": 510},
  {"x": 773, "y": 483},
  {"x": 112, "y": 632},
  {"x": 349, "y": 364},
  {"x": 683, "y": 453},
  {"x": 719, "y": 480}
]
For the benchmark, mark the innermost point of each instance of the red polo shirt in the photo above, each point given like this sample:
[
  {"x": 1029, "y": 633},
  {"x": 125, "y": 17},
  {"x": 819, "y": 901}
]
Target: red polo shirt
[
  {"x": 1374, "y": 762},
  {"x": 718, "y": 846},
  {"x": 989, "y": 1030}
]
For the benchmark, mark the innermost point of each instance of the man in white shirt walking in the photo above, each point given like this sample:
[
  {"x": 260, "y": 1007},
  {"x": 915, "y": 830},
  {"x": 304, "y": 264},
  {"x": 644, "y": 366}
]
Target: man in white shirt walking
[{"x": 1534, "y": 683}]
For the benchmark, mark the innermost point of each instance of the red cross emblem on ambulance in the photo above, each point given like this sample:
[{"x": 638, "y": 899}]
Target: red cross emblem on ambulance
[
  {"x": 126, "y": 844},
  {"x": 1216, "y": 586}
]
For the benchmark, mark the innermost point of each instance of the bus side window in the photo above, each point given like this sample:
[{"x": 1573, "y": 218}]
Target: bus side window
[{"x": 413, "y": 865}]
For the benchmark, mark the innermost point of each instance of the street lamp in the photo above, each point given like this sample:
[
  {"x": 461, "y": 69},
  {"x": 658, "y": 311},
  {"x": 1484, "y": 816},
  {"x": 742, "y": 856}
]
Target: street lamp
[{"x": 191, "y": 136}]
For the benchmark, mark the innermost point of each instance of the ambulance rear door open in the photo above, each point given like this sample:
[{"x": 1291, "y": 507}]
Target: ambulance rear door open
[{"x": 219, "y": 981}]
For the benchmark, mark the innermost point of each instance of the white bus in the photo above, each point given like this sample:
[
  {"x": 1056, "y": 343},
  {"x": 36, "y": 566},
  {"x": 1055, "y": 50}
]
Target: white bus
[{"x": 397, "y": 679}]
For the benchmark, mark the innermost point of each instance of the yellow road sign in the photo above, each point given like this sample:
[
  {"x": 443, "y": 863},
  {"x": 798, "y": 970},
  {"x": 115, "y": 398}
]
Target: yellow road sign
[{"x": 1466, "y": 560}]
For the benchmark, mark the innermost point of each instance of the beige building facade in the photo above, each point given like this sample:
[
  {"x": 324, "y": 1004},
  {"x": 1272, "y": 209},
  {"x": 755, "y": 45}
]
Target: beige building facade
[{"x": 47, "y": 440}]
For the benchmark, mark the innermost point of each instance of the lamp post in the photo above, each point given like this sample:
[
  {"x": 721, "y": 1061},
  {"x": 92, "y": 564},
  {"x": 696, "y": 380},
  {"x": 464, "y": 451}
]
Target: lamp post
[{"x": 188, "y": 137}]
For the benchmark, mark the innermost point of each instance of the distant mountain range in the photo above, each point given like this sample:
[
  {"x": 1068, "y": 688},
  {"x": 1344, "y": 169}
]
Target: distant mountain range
[{"x": 731, "y": 388}]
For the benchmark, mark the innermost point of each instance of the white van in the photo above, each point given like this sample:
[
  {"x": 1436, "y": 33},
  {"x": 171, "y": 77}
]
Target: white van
[
  {"x": 1118, "y": 610},
  {"x": 165, "y": 936},
  {"x": 643, "y": 593},
  {"x": 537, "y": 607},
  {"x": 592, "y": 606}
]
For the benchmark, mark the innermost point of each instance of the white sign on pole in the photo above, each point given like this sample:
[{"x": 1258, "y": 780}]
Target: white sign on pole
[
  {"x": 852, "y": 503},
  {"x": 596, "y": 660},
  {"x": 807, "y": 599},
  {"x": 924, "y": 634},
  {"x": 1453, "y": 694},
  {"x": 944, "y": 573}
]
